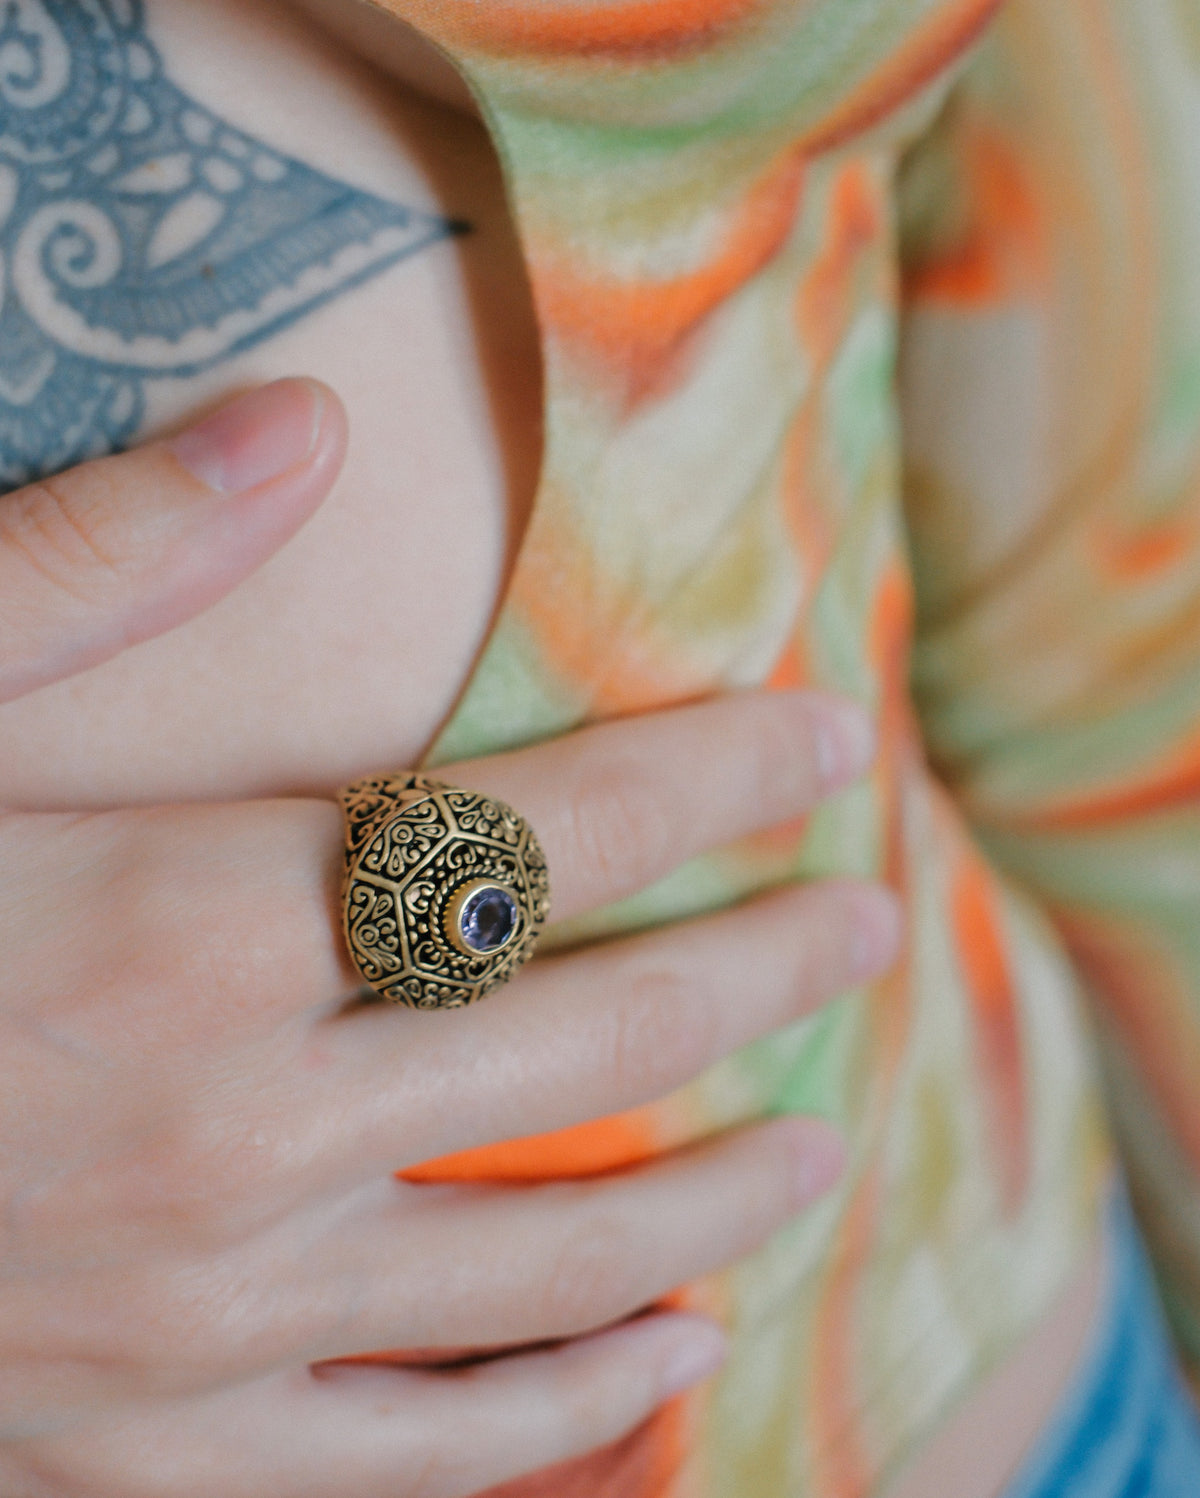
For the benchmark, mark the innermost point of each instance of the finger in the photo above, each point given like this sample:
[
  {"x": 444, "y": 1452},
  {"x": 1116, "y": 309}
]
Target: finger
[
  {"x": 265, "y": 1116},
  {"x": 587, "y": 1034},
  {"x": 535, "y": 1410},
  {"x": 495, "y": 1266},
  {"x": 361, "y": 1432},
  {"x": 244, "y": 899},
  {"x": 618, "y": 805},
  {"x": 115, "y": 551},
  {"x": 395, "y": 1265}
]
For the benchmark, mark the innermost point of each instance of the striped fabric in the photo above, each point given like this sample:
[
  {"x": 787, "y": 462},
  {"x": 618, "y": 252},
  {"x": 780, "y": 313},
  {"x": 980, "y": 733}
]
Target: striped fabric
[{"x": 872, "y": 343}]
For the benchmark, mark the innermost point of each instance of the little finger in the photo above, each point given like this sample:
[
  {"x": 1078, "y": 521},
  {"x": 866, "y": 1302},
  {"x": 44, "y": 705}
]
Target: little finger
[
  {"x": 496, "y": 1266},
  {"x": 360, "y": 1432}
]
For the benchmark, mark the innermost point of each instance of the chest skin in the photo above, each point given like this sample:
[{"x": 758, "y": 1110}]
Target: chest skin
[{"x": 348, "y": 651}]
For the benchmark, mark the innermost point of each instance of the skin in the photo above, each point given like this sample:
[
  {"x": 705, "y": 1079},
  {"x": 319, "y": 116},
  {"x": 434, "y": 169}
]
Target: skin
[
  {"x": 201, "y": 1120},
  {"x": 261, "y": 695},
  {"x": 280, "y": 689}
]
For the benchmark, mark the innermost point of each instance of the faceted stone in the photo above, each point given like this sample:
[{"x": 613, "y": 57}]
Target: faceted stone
[{"x": 488, "y": 919}]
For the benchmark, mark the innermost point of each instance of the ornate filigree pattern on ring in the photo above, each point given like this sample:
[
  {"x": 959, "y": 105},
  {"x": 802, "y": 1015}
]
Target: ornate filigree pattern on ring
[{"x": 446, "y": 891}]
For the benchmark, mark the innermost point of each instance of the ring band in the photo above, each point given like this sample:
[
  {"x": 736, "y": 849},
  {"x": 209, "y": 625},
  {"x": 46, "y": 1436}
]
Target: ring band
[{"x": 445, "y": 892}]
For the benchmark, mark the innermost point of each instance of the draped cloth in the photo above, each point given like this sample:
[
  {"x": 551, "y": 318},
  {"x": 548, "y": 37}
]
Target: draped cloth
[{"x": 871, "y": 333}]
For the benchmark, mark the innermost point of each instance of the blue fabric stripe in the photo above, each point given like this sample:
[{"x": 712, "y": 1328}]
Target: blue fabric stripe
[{"x": 1128, "y": 1427}]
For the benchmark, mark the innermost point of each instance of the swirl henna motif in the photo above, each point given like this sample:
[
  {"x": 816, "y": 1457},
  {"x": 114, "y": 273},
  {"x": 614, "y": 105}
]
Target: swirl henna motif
[
  {"x": 141, "y": 236},
  {"x": 66, "y": 75},
  {"x": 446, "y": 892}
]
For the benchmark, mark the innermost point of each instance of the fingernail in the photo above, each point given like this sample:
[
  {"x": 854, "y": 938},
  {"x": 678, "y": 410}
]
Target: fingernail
[
  {"x": 878, "y": 928},
  {"x": 699, "y": 1357},
  {"x": 255, "y": 438},
  {"x": 820, "y": 1161},
  {"x": 845, "y": 742}
]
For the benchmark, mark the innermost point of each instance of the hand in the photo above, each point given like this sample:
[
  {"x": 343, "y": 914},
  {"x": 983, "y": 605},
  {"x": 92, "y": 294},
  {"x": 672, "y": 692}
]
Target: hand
[{"x": 199, "y": 1126}]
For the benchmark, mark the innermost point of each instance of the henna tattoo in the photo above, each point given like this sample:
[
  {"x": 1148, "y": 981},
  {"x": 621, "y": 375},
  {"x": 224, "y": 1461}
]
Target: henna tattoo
[{"x": 142, "y": 236}]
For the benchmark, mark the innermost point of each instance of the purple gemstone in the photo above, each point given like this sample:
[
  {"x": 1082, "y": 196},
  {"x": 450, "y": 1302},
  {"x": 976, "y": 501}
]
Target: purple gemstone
[{"x": 488, "y": 919}]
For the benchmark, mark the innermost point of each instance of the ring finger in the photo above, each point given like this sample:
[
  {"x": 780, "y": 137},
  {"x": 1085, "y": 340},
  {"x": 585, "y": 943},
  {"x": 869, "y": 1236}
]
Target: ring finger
[{"x": 361, "y": 1432}]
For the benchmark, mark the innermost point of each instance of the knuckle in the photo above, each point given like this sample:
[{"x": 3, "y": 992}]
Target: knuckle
[
  {"x": 146, "y": 1331},
  {"x": 62, "y": 529},
  {"x": 157, "y": 901},
  {"x": 664, "y": 1029},
  {"x": 211, "y": 1319},
  {"x": 171, "y": 916},
  {"x": 592, "y": 1277},
  {"x": 135, "y": 910},
  {"x": 620, "y": 826},
  {"x": 112, "y": 971},
  {"x": 209, "y": 1184},
  {"x": 193, "y": 1328}
]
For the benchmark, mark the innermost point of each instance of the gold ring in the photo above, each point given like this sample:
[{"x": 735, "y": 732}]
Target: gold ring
[{"x": 445, "y": 893}]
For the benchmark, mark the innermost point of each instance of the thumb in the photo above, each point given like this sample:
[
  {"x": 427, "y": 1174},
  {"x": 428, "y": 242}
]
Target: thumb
[{"x": 115, "y": 551}]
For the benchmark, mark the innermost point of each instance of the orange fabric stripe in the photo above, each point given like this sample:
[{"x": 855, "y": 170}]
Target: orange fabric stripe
[
  {"x": 591, "y": 630},
  {"x": 631, "y": 325},
  {"x": 843, "y": 1467},
  {"x": 1141, "y": 556},
  {"x": 855, "y": 221},
  {"x": 790, "y": 670},
  {"x": 1173, "y": 782},
  {"x": 824, "y": 308},
  {"x": 908, "y": 69},
  {"x": 588, "y": 1149},
  {"x": 1004, "y": 250},
  {"x": 613, "y": 30},
  {"x": 975, "y": 916},
  {"x": 891, "y": 639}
]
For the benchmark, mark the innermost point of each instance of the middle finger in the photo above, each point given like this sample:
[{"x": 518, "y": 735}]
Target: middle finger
[{"x": 594, "y": 1032}]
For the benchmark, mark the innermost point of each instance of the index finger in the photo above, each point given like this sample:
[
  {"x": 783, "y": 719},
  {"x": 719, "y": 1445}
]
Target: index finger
[{"x": 618, "y": 805}]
